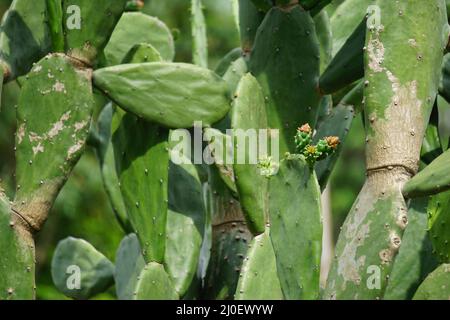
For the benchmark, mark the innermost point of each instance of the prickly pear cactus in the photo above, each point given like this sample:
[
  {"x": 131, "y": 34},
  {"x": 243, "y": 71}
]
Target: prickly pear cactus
[
  {"x": 245, "y": 222},
  {"x": 371, "y": 236}
]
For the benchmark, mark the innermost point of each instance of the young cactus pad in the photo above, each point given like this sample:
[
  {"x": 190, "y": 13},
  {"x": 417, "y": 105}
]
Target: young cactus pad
[{"x": 79, "y": 270}]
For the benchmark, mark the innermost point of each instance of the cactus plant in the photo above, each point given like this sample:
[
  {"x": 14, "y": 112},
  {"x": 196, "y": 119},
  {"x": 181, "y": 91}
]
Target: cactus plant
[{"x": 248, "y": 223}]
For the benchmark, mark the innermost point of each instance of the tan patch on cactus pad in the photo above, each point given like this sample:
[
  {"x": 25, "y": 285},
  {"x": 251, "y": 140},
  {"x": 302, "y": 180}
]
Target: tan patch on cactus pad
[
  {"x": 375, "y": 50},
  {"x": 356, "y": 231},
  {"x": 59, "y": 87},
  {"x": 38, "y": 148},
  {"x": 58, "y": 126},
  {"x": 20, "y": 133},
  {"x": 80, "y": 125},
  {"x": 74, "y": 149}
]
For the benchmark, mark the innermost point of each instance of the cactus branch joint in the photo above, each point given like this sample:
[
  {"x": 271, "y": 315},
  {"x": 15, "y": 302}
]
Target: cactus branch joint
[{"x": 311, "y": 162}]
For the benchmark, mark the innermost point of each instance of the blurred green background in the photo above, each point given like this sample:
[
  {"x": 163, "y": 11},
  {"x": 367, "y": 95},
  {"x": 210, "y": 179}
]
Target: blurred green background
[{"x": 82, "y": 209}]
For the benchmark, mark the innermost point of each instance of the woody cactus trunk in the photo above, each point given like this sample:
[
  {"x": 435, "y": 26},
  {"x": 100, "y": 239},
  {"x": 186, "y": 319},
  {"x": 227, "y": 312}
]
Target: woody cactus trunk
[{"x": 231, "y": 215}]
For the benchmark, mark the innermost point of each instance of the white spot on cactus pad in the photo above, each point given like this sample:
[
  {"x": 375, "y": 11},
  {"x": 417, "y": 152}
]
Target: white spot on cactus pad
[
  {"x": 37, "y": 68},
  {"x": 80, "y": 125},
  {"x": 59, "y": 87},
  {"x": 58, "y": 126},
  {"x": 412, "y": 42},
  {"x": 375, "y": 51},
  {"x": 38, "y": 148},
  {"x": 21, "y": 133},
  {"x": 75, "y": 148},
  {"x": 33, "y": 137}
]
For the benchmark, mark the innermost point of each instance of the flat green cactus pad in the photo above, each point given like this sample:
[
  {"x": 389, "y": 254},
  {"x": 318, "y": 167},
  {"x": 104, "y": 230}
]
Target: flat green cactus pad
[
  {"x": 285, "y": 60},
  {"x": 53, "y": 118},
  {"x": 295, "y": 208},
  {"x": 142, "y": 163},
  {"x": 439, "y": 225},
  {"x": 134, "y": 28},
  {"x": 431, "y": 180},
  {"x": 436, "y": 286},
  {"x": 79, "y": 270},
  {"x": 415, "y": 259},
  {"x": 185, "y": 225},
  {"x": 129, "y": 265},
  {"x": 174, "y": 95},
  {"x": 249, "y": 113},
  {"x": 259, "y": 279},
  {"x": 154, "y": 284},
  {"x": 17, "y": 258}
]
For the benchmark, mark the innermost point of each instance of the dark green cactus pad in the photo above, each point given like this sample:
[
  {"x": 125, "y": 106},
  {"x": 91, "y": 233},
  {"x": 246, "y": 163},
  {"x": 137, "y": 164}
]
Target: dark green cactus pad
[
  {"x": 296, "y": 228},
  {"x": 249, "y": 113},
  {"x": 199, "y": 37},
  {"x": 79, "y": 270},
  {"x": 431, "y": 145},
  {"x": 436, "y": 286},
  {"x": 337, "y": 123},
  {"x": 431, "y": 180},
  {"x": 142, "y": 163},
  {"x": 154, "y": 284},
  {"x": 263, "y": 5},
  {"x": 17, "y": 258},
  {"x": 415, "y": 259},
  {"x": 439, "y": 225},
  {"x": 53, "y": 118},
  {"x": 88, "y": 26},
  {"x": 285, "y": 60},
  {"x": 174, "y": 95},
  {"x": 259, "y": 279},
  {"x": 134, "y": 28},
  {"x": 226, "y": 61},
  {"x": 185, "y": 225},
  {"x": 230, "y": 239},
  {"x": 347, "y": 65},
  {"x": 109, "y": 121},
  {"x": 24, "y": 37},
  {"x": 250, "y": 18},
  {"x": 129, "y": 265},
  {"x": 229, "y": 246}
]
